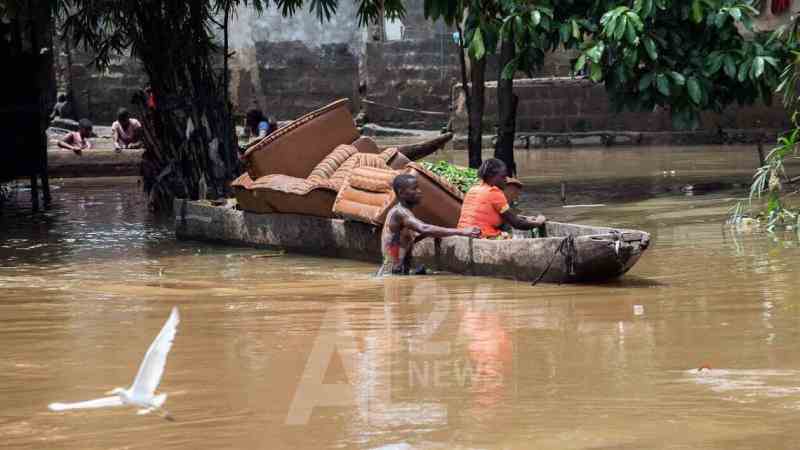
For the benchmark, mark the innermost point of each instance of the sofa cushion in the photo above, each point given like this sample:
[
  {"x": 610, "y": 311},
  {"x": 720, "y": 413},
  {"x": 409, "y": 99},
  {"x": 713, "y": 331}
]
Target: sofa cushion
[
  {"x": 330, "y": 163},
  {"x": 366, "y": 195},
  {"x": 357, "y": 160}
]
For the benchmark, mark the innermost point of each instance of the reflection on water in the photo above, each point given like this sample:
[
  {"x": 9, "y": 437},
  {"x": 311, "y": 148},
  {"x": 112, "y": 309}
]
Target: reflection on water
[{"x": 302, "y": 352}]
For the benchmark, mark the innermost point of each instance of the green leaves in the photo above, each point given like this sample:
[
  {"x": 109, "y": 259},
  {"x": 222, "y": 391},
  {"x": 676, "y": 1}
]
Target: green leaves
[
  {"x": 576, "y": 30},
  {"x": 677, "y": 78},
  {"x": 510, "y": 69},
  {"x": 697, "y": 12},
  {"x": 643, "y": 7},
  {"x": 595, "y": 53},
  {"x": 662, "y": 84},
  {"x": 744, "y": 69},
  {"x": 477, "y": 50},
  {"x": 735, "y": 13},
  {"x": 536, "y": 18},
  {"x": 714, "y": 63},
  {"x": 646, "y": 81},
  {"x": 596, "y": 73},
  {"x": 693, "y": 87},
  {"x": 757, "y": 68},
  {"x": 580, "y": 63},
  {"x": 730, "y": 66},
  {"x": 650, "y": 47}
]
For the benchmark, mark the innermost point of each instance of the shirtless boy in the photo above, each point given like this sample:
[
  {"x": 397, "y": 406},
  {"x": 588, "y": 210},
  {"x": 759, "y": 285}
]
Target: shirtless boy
[
  {"x": 402, "y": 229},
  {"x": 78, "y": 141}
]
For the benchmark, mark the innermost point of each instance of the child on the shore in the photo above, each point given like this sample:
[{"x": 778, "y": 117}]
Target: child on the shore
[{"x": 77, "y": 141}]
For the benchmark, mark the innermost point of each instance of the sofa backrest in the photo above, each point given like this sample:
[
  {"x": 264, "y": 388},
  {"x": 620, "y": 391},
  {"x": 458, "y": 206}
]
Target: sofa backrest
[
  {"x": 298, "y": 147},
  {"x": 441, "y": 201}
]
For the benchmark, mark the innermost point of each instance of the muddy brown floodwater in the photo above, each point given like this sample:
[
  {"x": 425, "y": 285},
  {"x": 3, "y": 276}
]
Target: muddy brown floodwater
[{"x": 299, "y": 352}]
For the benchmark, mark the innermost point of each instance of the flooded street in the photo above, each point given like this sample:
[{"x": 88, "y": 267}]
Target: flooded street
[{"x": 301, "y": 352}]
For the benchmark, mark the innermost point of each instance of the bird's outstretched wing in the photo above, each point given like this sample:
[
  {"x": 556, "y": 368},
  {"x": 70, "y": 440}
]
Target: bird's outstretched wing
[
  {"x": 96, "y": 403},
  {"x": 152, "y": 367}
]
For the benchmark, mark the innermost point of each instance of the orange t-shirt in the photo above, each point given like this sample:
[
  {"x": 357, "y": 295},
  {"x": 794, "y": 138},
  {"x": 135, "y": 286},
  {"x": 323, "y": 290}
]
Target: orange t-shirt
[{"x": 482, "y": 208}]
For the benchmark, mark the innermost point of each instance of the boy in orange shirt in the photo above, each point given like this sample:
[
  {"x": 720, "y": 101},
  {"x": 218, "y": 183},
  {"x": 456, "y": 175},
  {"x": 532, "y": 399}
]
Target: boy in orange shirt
[{"x": 486, "y": 207}]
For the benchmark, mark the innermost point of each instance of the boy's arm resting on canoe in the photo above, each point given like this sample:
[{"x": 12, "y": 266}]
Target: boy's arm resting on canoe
[
  {"x": 521, "y": 222},
  {"x": 427, "y": 230}
]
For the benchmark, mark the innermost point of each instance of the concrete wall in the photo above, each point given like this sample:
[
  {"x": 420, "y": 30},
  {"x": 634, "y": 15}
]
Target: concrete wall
[
  {"x": 561, "y": 105},
  {"x": 98, "y": 95},
  {"x": 291, "y": 66},
  {"x": 414, "y": 75}
]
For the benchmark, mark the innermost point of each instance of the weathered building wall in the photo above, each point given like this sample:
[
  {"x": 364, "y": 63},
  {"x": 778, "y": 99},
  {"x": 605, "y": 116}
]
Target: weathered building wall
[
  {"x": 96, "y": 95},
  {"x": 291, "y": 66},
  {"x": 414, "y": 75},
  {"x": 561, "y": 105},
  {"x": 419, "y": 71},
  {"x": 414, "y": 72}
]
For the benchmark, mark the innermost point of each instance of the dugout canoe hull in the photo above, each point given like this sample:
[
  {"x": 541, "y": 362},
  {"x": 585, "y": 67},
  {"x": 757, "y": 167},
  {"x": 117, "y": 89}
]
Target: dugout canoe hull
[{"x": 600, "y": 253}]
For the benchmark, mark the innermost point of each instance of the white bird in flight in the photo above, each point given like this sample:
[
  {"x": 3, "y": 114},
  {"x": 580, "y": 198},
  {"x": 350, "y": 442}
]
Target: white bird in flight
[{"x": 141, "y": 394}]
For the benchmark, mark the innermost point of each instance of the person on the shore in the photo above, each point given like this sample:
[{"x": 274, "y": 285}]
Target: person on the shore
[
  {"x": 62, "y": 109},
  {"x": 126, "y": 131},
  {"x": 252, "y": 119},
  {"x": 402, "y": 229},
  {"x": 78, "y": 141},
  {"x": 150, "y": 98},
  {"x": 486, "y": 207}
]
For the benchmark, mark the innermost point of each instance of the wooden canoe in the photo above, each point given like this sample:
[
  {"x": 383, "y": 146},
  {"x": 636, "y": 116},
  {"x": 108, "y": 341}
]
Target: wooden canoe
[{"x": 599, "y": 253}]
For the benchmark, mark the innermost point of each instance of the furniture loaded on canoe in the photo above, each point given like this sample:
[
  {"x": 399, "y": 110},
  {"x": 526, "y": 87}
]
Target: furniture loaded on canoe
[{"x": 316, "y": 186}]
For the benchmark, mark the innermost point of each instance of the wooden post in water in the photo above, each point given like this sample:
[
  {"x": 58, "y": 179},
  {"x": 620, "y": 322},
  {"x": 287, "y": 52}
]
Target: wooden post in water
[
  {"x": 34, "y": 193},
  {"x": 563, "y": 192},
  {"x": 43, "y": 170}
]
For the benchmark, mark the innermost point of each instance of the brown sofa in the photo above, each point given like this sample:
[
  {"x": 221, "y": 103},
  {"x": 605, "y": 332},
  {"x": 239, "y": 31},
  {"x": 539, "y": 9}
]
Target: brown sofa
[
  {"x": 313, "y": 195},
  {"x": 441, "y": 201},
  {"x": 301, "y": 167}
]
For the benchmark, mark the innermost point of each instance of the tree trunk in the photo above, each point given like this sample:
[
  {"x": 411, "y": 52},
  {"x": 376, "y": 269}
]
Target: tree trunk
[
  {"x": 506, "y": 109},
  {"x": 462, "y": 59},
  {"x": 230, "y": 129},
  {"x": 190, "y": 144},
  {"x": 477, "y": 89}
]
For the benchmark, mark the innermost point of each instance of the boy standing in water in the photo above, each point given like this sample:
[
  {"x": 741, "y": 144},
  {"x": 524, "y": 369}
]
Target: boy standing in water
[{"x": 402, "y": 229}]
